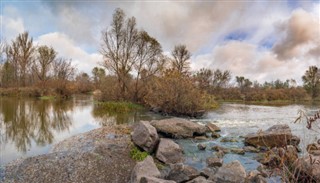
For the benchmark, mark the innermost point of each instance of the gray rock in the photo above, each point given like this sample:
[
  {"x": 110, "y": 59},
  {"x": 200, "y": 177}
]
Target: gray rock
[
  {"x": 179, "y": 128},
  {"x": 200, "y": 179},
  {"x": 200, "y": 138},
  {"x": 145, "y": 136},
  {"x": 207, "y": 172},
  {"x": 255, "y": 177},
  {"x": 144, "y": 169},
  {"x": 219, "y": 154},
  {"x": 251, "y": 149},
  {"x": 154, "y": 180},
  {"x": 262, "y": 170},
  {"x": 212, "y": 127},
  {"x": 215, "y": 135},
  {"x": 214, "y": 162},
  {"x": 182, "y": 173},
  {"x": 202, "y": 146},
  {"x": 237, "y": 151},
  {"x": 169, "y": 152},
  {"x": 275, "y": 136},
  {"x": 232, "y": 172},
  {"x": 229, "y": 139},
  {"x": 220, "y": 148}
]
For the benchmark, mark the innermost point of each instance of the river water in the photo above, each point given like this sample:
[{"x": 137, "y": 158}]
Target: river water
[{"x": 30, "y": 127}]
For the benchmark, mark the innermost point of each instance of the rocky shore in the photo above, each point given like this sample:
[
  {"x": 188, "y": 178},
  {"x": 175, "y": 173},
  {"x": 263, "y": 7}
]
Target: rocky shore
[{"x": 103, "y": 155}]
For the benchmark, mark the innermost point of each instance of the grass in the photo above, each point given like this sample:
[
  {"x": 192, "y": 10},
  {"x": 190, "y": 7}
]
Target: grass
[
  {"x": 119, "y": 107},
  {"x": 47, "y": 97},
  {"x": 137, "y": 154}
]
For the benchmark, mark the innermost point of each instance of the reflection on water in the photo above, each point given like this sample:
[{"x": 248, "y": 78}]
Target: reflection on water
[{"x": 29, "y": 127}]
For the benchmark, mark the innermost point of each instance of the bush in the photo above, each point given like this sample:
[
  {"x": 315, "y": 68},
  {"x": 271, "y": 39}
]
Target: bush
[
  {"x": 138, "y": 155},
  {"x": 176, "y": 94}
]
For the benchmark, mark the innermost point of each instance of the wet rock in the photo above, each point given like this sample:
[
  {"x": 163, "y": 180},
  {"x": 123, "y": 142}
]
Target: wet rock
[
  {"x": 82, "y": 158},
  {"x": 215, "y": 135},
  {"x": 220, "y": 154},
  {"x": 207, "y": 172},
  {"x": 232, "y": 172},
  {"x": 251, "y": 149},
  {"x": 200, "y": 138},
  {"x": 169, "y": 152},
  {"x": 200, "y": 179},
  {"x": 154, "y": 180},
  {"x": 255, "y": 177},
  {"x": 237, "y": 151},
  {"x": 275, "y": 136},
  {"x": 313, "y": 149},
  {"x": 145, "y": 136},
  {"x": 308, "y": 169},
  {"x": 214, "y": 162},
  {"x": 212, "y": 127},
  {"x": 229, "y": 139},
  {"x": 182, "y": 173},
  {"x": 202, "y": 147},
  {"x": 220, "y": 148},
  {"x": 144, "y": 169},
  {"x": 294, "y": 140},
  {"x": 179, "y": 128}
]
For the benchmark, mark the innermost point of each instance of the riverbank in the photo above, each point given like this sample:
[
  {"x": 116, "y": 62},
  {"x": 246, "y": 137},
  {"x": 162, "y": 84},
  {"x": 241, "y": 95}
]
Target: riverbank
[{"x": 88, "y": 157}]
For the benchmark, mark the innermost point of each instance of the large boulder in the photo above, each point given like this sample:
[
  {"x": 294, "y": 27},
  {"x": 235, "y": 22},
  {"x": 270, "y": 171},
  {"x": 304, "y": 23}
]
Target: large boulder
[
  {"x": 178, "y": 128},
  {"x": 212, "y": 127},
  {"x": 314, "y": 149},
  {"x": 232, "y": 172},
  {"x": 154, "y": 180},
  {"x": 169, "y": 152},
  {"x": 275, "y": 136},
  {"x": 200, "y": 179},
  {"x": 101, "y": 155},
  {"x": 307, "y": 169},
  {"x": 145, "y": 136},
  {"x": 182, "y": 173},
  {"x": 146, "y": 168}
]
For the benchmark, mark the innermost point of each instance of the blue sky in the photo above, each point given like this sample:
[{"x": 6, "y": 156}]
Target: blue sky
[{"x": 262, "y": 40}]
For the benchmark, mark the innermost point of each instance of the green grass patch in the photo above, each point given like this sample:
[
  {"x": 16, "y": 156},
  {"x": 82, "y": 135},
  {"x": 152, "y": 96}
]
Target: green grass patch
[
  {"x": 137, "y": 154},
  {"x": 47, "y": 97},
  {"x": 119, "y": 107}
]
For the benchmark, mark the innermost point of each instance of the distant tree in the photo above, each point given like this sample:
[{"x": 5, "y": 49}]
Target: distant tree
[
  {"x": 119, "y": 48},
  {"x": 83, "y": 82},
  {"x": 98, "y": 75},
  {"x": 243, "y": 83},
  {"x": 181, "y": 58},
  {"x": 43, "y": 63},
  {"x": 7, "y": 74},
  {"x": 311, "y": 80},
  {"x": 221, "y": 78},
  {"x": 204, "y": 79},
  {"x": 20, "y": 54}
]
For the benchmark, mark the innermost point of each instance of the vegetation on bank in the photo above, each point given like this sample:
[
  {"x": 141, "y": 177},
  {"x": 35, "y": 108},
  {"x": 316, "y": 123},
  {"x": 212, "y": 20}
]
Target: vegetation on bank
[
  {"x": 119, "y": 107},
  {"x": 137, "y": 154},
  {"x": 139, "y": 72}
]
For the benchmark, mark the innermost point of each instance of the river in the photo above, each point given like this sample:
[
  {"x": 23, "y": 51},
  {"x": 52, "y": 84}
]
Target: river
[{"x": 30, "y": 127}]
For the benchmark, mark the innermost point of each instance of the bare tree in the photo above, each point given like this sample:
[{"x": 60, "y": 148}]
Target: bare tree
[
  {"x": 43, "y": 63},
  {"x": 119, "y": 48},
  {"x": 181, "y": 58},
  {"x": 311, "y": 80},
  {"x": 63, "y": 72},
  {"x": 20, "y": 53},
  {"x": 221, "y": 78}
]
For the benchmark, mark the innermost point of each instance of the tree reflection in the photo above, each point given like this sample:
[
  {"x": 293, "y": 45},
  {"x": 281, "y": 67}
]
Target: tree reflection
[{"x": 27, "y": 120}]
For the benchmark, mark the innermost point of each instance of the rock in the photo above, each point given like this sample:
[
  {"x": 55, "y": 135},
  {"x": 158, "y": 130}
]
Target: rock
[
  {"x": 277, "y": 157},
  {"x": 182, "y": 173},
  {"x": 143, "y": 169},
  {"x": 169, "y": 152},
  {"x": 179, "y": 128},
  {"x": 313, "y": 149},
  {"x": 200, "y": 138},
  {"x": 255, "y": 177},
  {"x": 212, "y": 127},
  {"x": 262, "y": 170},
  {"x": 145, "y": 136},
  {"x": 275, "y": 136},
  {"x": 215, "y": 135},
  {"x": 200, "y": 179},
  {"x": 202, "y": 147},
  {"x": 295, "y": 140},
  {"x": 207, "y": 172},
  {"x": 214, "y": 162},
  {"x": 237, "y": 151},
  {"x": 219, "y": 148},
  {"x": 229, "y": 139},
  {"x": 251, "y": 149},
  {"x": 308, "y": 168},
  {"x": 219, "y": 154},
  {"x": 232, "y": 172},
  {"x": 154, "y": 180},
  {"x": 87, "y": 157}
]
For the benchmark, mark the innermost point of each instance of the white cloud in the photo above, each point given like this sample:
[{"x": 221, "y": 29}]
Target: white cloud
[
  {"x": 67, "y": 48},
  {"x": 11, "y": 24}
]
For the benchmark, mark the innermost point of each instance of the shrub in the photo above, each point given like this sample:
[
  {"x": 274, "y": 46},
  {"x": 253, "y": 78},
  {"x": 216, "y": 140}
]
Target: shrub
[{"x": 137, "y": 154}]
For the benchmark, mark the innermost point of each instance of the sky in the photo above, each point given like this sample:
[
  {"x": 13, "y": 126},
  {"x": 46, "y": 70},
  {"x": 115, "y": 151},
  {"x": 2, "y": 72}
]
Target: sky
[{"x": 260, "y": 40}]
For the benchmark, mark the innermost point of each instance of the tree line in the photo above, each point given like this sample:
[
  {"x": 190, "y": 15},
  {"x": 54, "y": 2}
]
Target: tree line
[{"x": 134, "y": 68}]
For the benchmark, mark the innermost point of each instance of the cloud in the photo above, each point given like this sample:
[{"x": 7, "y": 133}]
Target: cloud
[
  {"x": 301, "y": 35},
  {"x": 67, "y": 48},
  {"x": 11, "y": 24}
]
